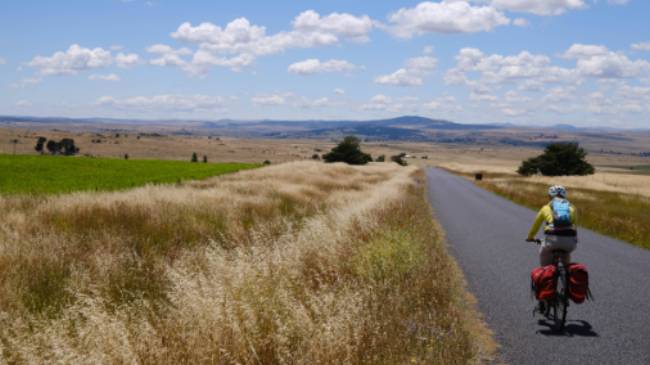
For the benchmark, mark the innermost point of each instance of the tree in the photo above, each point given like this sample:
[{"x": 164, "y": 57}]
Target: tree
[
  {"x": 381, "y": 158},
  {"x": 126, "y": 156},
  {"x": 348, "y": 151},
  {"x": 558, "y": 159},
  {"x": 53, "y": 147},
  {"x": 195, "y": 158},
  {"x": 205, "y": 159},
  {"x": 399, "y": 159},
  {"x": 68, "y": 147},
  {"x": 40, "y": 144}
]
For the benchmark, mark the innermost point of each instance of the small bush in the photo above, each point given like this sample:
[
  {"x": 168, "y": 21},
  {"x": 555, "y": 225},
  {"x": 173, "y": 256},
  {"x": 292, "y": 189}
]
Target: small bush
[
  {"x": 380, "y": 158},
  {"x": 266, "y": 162},
  {"x": 315, "y": 156},
  {"x": 195, "y": 158},
  {"x": 399, "y": 159},
  {"x": 348, "y": 151}
]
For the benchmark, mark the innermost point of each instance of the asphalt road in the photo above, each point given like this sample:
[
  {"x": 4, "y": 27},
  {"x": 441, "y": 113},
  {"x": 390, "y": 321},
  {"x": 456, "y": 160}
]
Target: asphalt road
[{"x": 486, "y": 235}]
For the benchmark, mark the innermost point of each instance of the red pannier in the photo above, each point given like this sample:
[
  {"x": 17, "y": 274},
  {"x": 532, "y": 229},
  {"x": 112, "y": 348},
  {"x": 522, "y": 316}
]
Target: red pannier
[
  {"x": 543, "y": 280},
  {"x": 578, "y": 283}
]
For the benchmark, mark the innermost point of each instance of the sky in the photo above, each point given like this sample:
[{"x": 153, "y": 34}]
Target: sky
[{"x": 528, "y": 62}]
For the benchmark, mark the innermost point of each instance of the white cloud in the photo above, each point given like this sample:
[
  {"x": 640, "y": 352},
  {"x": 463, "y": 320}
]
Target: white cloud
[
  {"x": 107, "y": 77},
  {"x": 168, "y": 56},
  {"x": 127, "y": 60},
  {"x": 520, "y": 22},
  {"x": 239, "y": 43},
  {"x": 443, "y": 103},
  {"x": 183, "y": 103},
  {"x": 413, "y": 74},
  {"x": 339, "y": 91},
  {"x": 342, "y": 24},
  {"x": 273, "y": 99},
  {"x": 447, "y": 16},
  {"x": 499, "y": 69},
  {"x": 641, "y": 46},
  {"x": 72, "y": 61},
  {"x": 378, "y": 102},
  {"x": 313, "y": 65},
  {"x": 539, "y": 7},
  {"x": 2, "y": 61},
  {"x": 23, "y": 103},
  {"x": 78, "y": 59},
  {"x": 323, "y": 102},
  {"x": 599, "y": 62}
]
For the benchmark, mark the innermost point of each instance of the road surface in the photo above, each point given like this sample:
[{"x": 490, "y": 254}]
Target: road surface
[{"x": 486, "y": 235}]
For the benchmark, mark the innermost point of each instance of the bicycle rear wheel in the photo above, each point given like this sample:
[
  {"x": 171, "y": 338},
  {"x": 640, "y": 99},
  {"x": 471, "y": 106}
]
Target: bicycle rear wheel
[{"x": 562, "y": 301}]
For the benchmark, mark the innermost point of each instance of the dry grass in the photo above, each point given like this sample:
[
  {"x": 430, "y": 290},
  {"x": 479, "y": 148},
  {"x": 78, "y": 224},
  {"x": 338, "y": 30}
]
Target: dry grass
[
  {"x": 613, "y": 204},
  {"x": 299, "y": 263}
]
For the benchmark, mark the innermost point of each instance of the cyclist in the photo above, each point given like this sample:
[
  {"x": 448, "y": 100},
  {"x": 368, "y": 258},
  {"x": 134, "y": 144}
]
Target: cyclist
[{"x": 560, "y": 228}]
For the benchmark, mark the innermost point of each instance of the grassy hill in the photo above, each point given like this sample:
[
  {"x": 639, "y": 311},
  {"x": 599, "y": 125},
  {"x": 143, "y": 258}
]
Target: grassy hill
[{"x": 24, "y": 174}]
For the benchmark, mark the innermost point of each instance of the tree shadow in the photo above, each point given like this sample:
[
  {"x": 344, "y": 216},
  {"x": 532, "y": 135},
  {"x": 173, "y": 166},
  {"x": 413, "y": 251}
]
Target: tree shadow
[{"x": 572, "y": 328}]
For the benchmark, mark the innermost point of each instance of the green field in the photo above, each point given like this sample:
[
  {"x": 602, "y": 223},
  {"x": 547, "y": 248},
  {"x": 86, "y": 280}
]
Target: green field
[{"x": 27, "y": 174}]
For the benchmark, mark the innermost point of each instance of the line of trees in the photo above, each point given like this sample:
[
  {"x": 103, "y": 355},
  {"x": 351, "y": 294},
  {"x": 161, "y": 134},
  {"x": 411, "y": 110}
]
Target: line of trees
[{"x": 64, "y": 147}]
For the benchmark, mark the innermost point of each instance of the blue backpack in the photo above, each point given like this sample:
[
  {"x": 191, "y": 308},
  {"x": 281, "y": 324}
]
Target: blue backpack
[{"x": 561, "y": 209}]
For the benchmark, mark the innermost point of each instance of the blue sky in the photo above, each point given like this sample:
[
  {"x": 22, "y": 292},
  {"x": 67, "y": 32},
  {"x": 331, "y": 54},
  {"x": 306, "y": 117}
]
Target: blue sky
[{"x": 536, "y": 62}]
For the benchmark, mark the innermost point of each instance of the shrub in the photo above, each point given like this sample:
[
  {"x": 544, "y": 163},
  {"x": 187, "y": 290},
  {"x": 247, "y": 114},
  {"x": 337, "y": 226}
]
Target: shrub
[
  {"x": 399, "y": 159},
  {"x": 381, "y": 158},
  {"x": 266, "y": 162},
  {"x": 558, "y": 159},
  {"x": 40, "y": 144},
  {"x": 126, "y": 156},
  {"x": 348, "y": 151},
  {"x": 195, "y": 158},
  {"x": 315, "y": 156},
  {"x": 205, "y": 159}
]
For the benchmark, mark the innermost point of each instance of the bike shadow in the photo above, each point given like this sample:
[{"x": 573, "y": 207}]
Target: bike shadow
[{"x": 571, "y": 328}]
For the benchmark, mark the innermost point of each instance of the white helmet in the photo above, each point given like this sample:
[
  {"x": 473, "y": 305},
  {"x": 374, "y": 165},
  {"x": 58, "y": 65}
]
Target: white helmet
[{"x": 557, "y": 190}]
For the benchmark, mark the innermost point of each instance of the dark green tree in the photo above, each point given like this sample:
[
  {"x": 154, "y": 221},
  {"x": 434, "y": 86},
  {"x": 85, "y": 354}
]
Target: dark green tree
[
  {"x": 205, "y": 159},
  {"x": 53, "y": 147},
  {"x": 399, "y": 159},
  {"x": 40, "y": 144},
  {"x": 348, "y": 151},
  {"x": 195, "y": 158},
  {"x": 558, "y": 159},
  {"x": 68, "y": 147}
]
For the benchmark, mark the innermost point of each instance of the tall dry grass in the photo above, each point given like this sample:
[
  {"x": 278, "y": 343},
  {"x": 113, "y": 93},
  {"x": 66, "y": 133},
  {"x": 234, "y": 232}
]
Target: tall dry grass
[{"x": 299, "y": 263}]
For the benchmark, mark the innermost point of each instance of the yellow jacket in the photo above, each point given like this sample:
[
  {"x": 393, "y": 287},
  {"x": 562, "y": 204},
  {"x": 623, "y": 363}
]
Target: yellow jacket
[{"x": 546, "y": 215}]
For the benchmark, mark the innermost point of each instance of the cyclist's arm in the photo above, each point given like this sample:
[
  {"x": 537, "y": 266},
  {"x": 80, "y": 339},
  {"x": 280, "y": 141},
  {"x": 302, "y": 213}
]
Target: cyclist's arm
[{"x": 537, "y": 224}]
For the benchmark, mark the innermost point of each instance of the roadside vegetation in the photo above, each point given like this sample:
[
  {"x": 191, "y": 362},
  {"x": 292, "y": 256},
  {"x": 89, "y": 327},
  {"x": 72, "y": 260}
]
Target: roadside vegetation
[
  {"x": 604, "y": 203},
  {"x": 300, "y": 263},
  {"x": 29, "y": 174}
]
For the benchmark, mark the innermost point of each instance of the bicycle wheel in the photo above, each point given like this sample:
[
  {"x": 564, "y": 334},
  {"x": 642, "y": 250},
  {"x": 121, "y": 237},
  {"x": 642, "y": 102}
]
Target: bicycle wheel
[{"x": 562, "y": 300}]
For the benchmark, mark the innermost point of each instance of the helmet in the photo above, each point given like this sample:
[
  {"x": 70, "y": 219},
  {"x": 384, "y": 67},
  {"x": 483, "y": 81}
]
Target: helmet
[{"x": 557, "y": 190}]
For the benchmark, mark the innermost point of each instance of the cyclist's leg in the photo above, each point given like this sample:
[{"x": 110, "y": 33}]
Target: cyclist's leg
[{"x": 545, "y": 253}]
